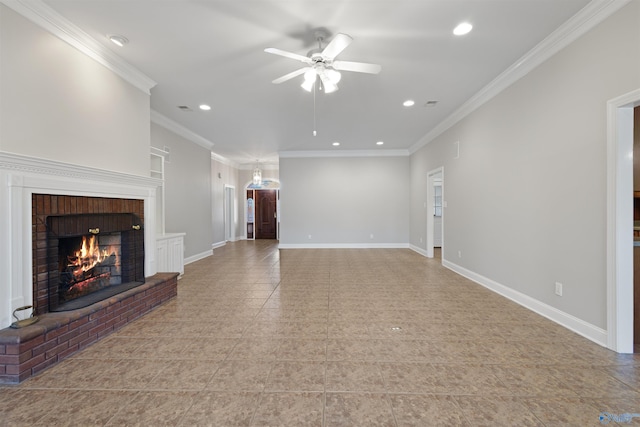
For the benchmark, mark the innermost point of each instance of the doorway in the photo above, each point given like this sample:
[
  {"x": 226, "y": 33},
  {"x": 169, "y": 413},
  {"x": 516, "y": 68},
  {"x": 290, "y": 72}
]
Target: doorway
[
  {"x": 620, "y": 241},
  {"x": 435, "y": 212},
  {"x": 266, "y": 212}
]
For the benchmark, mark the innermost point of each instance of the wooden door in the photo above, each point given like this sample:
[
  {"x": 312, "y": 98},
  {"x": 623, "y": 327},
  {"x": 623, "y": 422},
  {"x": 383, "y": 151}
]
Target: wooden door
[{"x": 266, "y": 221}]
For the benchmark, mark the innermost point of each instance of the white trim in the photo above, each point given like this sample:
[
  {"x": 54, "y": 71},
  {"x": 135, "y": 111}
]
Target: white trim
[
  {"x": 47, "y": 18},
  {"x": 591, "y": 15},
  {"x": 218, "y": 245},
  {"x": 345, "y": 153},
  {"x": 587, "y": 330},
  {"x": 34, "y": 165},
  {"x": 198, "y": 257},
  {"x": 620, "y": 221},
  {"x": 221, "y": 159},
  {"x": 178, "y": 129},
  {"x": 419, "y": 250},
  {"x": 23, "y": 176},
  {"x": 343, "y": 246},
  {"x": 263, "y": 166}
]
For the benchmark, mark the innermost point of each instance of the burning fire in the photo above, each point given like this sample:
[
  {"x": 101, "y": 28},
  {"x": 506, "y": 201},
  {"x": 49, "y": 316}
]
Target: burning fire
[{"x": 87, "y": 257}]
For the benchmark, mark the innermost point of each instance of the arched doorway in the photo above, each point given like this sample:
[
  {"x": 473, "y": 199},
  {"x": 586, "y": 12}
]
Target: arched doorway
[{"x": 263, "y": 210}]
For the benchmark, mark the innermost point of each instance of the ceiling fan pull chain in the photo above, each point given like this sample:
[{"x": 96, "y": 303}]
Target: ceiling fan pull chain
[{"x": 314, "y": 109}]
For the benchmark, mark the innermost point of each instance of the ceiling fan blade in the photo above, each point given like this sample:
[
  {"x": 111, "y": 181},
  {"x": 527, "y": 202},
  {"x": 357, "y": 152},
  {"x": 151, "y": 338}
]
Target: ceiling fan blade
[
  {"x": 290, "y": 75},
  {"x": 289, "y": 55},
  {"x": 337, "y": 45},
  {"x": 359, "y": 67}
]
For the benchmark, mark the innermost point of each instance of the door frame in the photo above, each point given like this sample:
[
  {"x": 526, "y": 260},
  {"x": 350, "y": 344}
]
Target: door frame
[
  {"x": 229, "y": 213},
  {"x": 431, "y": 178},
  {"x": 620, "y": 221}
]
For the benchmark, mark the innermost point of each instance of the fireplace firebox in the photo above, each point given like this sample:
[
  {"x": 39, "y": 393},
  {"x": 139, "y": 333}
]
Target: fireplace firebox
[{"x": 92, "y": 257}]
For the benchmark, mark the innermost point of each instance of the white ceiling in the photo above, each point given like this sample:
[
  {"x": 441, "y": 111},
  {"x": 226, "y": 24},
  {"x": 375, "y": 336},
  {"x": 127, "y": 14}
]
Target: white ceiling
[{"x": 213, "y": 52}]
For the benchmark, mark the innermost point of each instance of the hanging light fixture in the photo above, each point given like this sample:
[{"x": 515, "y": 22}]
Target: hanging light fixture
[{"x": 257, "y": 175}]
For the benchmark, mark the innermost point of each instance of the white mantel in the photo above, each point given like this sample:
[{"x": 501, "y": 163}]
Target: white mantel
[{"x": 20, "y": 178}]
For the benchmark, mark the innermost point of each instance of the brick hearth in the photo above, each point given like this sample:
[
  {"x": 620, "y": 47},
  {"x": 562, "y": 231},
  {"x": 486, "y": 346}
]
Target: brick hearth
[{"x": 25, "y": 352}]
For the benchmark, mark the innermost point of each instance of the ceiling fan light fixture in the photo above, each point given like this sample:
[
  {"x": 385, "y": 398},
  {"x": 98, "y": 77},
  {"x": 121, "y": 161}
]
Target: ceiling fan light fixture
[
  {"x": 334, "y": 76},
  {"x": 309, "y": 79}
]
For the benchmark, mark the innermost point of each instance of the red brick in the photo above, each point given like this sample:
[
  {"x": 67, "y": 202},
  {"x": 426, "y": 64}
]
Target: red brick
[
  {"x": 57, "y": 332},
  {"x": 98, "y": 314},
  {"x": 3, "y": 349},
  {"x": 31, "y": 343},
  {"x": 44, "y": 347},
  {"x": 68, "y": 352},
  {"x": 88, "y": 341},
  {"x": 77, "y": 323},
  {"x": 10, "y": 359},
  {"x": 12, "y": 349},
  {"x": 57, "y": 349},
  {"x": 66, "y": 337},
  {"x": 79, "y": 338},
  {"x": 44, "y": 365},
  {"x": 18, "y": 369},
  {"x": 97, "y": 329}
]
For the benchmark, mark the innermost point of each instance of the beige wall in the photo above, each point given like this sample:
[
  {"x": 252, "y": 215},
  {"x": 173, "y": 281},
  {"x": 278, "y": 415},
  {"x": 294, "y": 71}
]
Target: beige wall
[
  {"x": 527, "y": 195},
  {"x": 57, "y": 103},
  {"x": 187, "y": 178},
  {"x": 342, "y": 201}
]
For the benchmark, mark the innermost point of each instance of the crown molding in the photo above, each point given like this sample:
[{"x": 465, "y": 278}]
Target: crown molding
[
  {"x": 587, "y": 18},
  {"x": 178, "y": 129},
  {"x": 263, "y": 166},
  {"x": 47, "y": 18},
  {"x": 345, "y": 153},
  {"x": 34, "y": 165},
  {"x": 221, "y": 159}
]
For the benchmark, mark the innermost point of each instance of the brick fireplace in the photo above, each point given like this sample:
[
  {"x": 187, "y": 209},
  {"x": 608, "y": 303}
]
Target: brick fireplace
[
  {"x": 46, "y": 209},
  {"x": 61, "y": 221}
]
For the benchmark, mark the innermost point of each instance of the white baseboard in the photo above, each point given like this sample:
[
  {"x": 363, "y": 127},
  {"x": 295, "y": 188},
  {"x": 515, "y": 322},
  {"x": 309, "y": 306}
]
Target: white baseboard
[
  {"x": 343, "y": 246},
  {"x": 419, "y": 250},
  {"x": 198, "y": 257},
  {"x": 587, "y": 330},
  {"x": 218, "y": 244}
]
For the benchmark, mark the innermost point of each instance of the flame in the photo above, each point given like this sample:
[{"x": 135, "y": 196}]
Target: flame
[{"x": 88, "y": 256}]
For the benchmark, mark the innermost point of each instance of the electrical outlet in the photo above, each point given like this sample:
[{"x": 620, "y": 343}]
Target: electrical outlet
[
  {"x": 421, "y": 240},
  {"x": 371, "y": 236},
  {"x": 309, "y": 236},
  {"x": 459, "y": 254},
  {"x": 559, "y": 289}
]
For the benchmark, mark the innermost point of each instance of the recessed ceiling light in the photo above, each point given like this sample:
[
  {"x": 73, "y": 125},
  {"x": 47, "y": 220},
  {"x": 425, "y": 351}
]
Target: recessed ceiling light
[
  {"x": 409, "y": 103},
  {"x": 335, "y": 144},
  {"x": 204, "y": 107},
  {"x": 380, "y": 143},
  {"x": 462, "y": 29},
  {"x": 118, "y": 40}
]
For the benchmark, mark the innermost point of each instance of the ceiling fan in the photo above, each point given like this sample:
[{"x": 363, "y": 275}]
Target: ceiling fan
[{"x": 321, "y": 64}]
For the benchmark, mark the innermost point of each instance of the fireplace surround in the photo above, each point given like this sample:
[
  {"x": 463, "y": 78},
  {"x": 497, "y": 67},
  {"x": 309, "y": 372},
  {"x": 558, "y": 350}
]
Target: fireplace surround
[{"x": 28, "y": 186}]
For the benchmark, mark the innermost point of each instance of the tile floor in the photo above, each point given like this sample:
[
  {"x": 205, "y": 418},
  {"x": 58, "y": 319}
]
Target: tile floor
[{"x": 362, "y": 337}]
